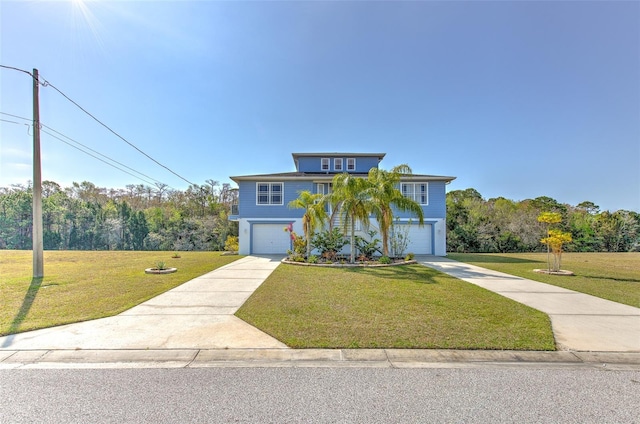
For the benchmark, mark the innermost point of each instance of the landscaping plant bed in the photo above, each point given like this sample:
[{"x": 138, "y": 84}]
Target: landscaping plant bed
[
  {"x": 347, "y": 264},
  {"x": 160, "y": 271}
]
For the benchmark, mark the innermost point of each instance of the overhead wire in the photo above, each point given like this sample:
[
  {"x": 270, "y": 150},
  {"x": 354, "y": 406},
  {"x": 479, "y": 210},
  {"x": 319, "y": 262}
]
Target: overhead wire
[
  {"x": 47, "y": 83},
  {"x": 96, "y": 157},
  {"x": 88, "y": 148},
  {"x": 42, "y": 81}
]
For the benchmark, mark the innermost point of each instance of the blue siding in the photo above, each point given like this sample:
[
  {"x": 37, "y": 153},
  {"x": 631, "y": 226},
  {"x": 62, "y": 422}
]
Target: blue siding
[
  {"x": 437, "y": 202},
  {"x": 313, "y": 164},
  {"x": 249, "y": 209}
]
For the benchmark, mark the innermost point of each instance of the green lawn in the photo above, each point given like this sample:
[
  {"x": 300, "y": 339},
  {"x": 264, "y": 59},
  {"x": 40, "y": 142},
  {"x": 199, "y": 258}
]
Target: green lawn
[
  {"x": 395, "y": 307},
  {"x": 80, "y": 285},
  {"x": 613, "y": 276}
]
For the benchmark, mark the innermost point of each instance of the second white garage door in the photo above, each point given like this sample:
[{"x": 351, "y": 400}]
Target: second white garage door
[
  {"x": 269, "y": 239},
  {"x": 419, "y": 239}
]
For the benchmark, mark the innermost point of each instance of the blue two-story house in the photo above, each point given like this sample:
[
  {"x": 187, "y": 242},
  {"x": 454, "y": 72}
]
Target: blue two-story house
[{"x": 263, "y": 213}]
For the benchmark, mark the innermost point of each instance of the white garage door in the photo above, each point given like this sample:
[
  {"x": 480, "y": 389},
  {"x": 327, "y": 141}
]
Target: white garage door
[
  {"x": 419, "y": 239},
  {"x": 270, "y": 239}
]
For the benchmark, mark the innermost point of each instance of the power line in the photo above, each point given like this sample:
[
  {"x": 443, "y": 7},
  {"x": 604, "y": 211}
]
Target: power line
[
  {"x": 101, "y": 160},
  {"x": 86, "y": 147},
  {"x": 18, "y": 69},
  {"x": 16, "y": 116},
  {"x": 98, "y": 153},
  {"x": 47, "y": 83},
  {"x": 13, "y": 122}
]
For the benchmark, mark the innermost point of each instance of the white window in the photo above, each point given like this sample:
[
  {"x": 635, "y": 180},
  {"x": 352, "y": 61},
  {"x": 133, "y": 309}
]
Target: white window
[
  {"x": 323, "y": 188},
  {"x": 419, "y": 192},
  {"x": 337, "y": 164},
  {"x": 269, "y": 194},
  {"x": 324, "y": 164},
  {"x": 351, "y": 164}
]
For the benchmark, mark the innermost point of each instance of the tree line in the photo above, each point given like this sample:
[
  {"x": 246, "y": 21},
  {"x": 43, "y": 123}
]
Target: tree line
[
  {"x": 141, "y": 217},
  {"x": 502, "y": 225},
  {"x": 138, "y": 217}
]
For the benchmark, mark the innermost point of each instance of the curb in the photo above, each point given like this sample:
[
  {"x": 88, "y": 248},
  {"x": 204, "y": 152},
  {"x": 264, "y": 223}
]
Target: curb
[{"x": 327, "y": 358}]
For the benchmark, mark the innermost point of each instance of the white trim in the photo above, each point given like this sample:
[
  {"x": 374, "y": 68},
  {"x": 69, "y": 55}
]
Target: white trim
[
  {"x": 323, "y": 162},
  {"x": 351, "y": 164},
  {"x": 269, "y": 193},
  {"x": 418, "y": 192}
]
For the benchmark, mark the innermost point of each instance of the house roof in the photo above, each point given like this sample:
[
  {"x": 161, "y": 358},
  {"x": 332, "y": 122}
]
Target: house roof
[
  {"x": 338, "y": 154},
  {"x": 323, "y": 176}
]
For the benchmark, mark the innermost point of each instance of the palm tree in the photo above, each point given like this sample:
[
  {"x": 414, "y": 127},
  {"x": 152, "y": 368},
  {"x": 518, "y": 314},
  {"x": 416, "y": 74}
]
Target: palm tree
[
  {"x": 350, "y": 197},
  {"x": 385, "y": 195},
  {"x": 314, "y": 213}
]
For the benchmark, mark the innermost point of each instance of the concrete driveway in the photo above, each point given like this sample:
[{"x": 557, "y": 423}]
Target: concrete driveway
[
  {"x": 579, "y": 321},
  {"x": 196, "y": 315}
]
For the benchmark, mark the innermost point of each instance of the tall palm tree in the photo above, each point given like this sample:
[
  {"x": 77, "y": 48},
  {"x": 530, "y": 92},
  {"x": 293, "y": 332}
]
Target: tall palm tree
[
  {"x": 351, "y": 199},
  {"x": 314, "y": 213},
  {"x": 385, "y": 196}
]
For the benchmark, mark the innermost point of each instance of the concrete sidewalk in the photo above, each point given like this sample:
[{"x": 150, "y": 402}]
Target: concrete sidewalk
[
  {"x": 196, "y": 315},
  {"x": 580, "y": 322},
  {"x": 298, "y": 358}
]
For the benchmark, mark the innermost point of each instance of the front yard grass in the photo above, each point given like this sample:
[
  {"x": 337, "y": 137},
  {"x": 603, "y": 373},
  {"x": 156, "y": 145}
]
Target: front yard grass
[
  {"x": 612, "y": 276},
  {"x": 395, "y": 307},
  {"x": 82, "y": 285}
]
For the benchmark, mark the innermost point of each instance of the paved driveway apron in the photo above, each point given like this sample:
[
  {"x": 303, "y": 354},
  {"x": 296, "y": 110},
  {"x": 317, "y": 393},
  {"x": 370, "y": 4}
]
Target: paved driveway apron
[
  {"x": 579, "y": 321},
  {"x": 195, "y": 315}
]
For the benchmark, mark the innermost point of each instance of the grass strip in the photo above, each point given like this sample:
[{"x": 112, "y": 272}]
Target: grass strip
[
  {"x": 612, "y": 276},
  {"x": 396, "y": 307},
  {"x": 83, "y": 285}
]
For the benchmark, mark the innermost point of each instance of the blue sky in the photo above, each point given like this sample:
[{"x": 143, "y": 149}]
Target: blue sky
[{"x": 515, "y": 99}]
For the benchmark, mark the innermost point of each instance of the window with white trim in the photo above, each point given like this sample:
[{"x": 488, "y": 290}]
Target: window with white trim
[
  {"x": 418, "y": 192},
  {"x": 351, "y": 164},
  {"x": 324, "y": 164},
  {"x": 337, "y": 164},
  {"x": 269, "y": 193}
]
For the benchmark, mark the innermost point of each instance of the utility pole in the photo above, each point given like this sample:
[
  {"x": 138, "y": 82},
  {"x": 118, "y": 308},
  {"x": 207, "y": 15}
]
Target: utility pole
[{"x": 38, "y": 259}]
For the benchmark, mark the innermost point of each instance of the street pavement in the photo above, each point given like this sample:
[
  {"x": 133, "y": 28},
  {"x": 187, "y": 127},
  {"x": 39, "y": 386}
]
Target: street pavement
[{"x": 193, "y": 326}]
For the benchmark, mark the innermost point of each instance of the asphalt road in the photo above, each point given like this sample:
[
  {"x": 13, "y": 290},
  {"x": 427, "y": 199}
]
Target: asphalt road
[{"x": 324, "y": 395}]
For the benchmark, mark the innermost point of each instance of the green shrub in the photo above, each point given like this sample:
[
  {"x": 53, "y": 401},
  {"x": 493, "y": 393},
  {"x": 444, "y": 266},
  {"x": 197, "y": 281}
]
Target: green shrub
[
  {"x": 313, "y": 259},
  {"x": 329, "y": 243},
  {"x": 409, "y": 256},
  {"x": 367, "y": 248},
  {"x": 231, "y": 244},
  {"x": 384, "y": 260},
  {"x": 160, "y": 265}
]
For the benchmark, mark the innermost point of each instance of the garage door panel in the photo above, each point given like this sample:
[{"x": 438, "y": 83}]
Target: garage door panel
[
  {"x": 419, "y": 239},
  {"x": 269, "y": 239}
]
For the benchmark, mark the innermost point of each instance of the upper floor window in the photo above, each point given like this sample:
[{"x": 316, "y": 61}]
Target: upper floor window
[
  {"x": 337, "y": 164},
  {"x": 269, "y": 194},
  {"x": 416, "y": 191},
  {"x": 324, "y": 164},
  {"x": 351, "y": 164}
]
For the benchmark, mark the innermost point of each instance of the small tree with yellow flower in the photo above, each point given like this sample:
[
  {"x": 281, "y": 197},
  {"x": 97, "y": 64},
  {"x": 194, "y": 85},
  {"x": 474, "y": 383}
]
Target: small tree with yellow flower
[{"x": 554, "y": 240}]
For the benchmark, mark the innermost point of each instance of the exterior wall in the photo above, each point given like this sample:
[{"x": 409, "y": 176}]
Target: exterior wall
[
  {"x": 245, "y": 226},
  {"x": 437, "y": 207},
  {"x": 247, "y": 206},
  {"x": 250, "y": 213},
  {"x": 438, "y": 235},
  {"x": 313, "y": 164}
]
